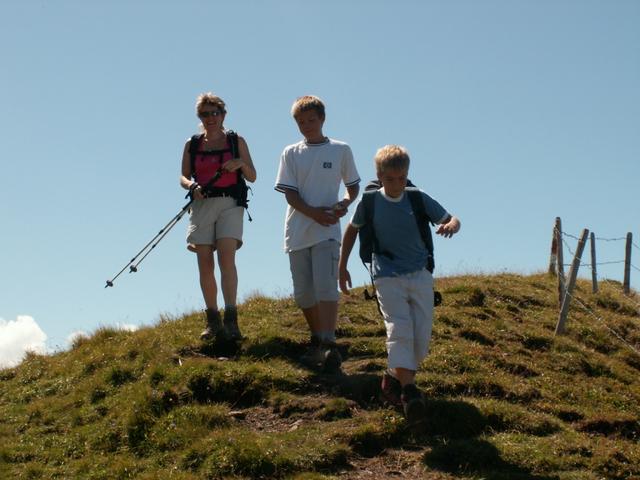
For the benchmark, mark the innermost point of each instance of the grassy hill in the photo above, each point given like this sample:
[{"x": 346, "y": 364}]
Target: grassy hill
[{"x": 506, "y": 400}]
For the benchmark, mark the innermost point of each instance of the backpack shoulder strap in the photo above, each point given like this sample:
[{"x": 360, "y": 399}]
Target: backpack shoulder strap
[
  {"x": 369, "y": 204},
  {"x": 232, "y": 138},
  {"x": 422, "y": 219},
  {"x": 242, "y": 187},
  {"x": 194, "y": 144},
  {"x": 373, "y": 185}
]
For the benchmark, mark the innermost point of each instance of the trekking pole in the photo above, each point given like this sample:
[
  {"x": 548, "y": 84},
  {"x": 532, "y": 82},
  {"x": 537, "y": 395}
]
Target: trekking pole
[
  {"x": 133, "y": 267},
  {"x": 151, "y": 245}
]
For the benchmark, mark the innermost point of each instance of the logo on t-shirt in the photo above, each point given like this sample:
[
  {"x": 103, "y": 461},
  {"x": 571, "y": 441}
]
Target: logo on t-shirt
[{"x": 326, "y": 165}]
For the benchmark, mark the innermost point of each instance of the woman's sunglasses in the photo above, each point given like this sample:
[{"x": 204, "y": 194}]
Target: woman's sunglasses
[{"x": 215, "y": 113}]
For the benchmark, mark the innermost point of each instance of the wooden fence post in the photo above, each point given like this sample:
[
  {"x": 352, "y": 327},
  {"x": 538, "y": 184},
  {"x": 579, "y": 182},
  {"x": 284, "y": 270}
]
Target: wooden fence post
[
  {"x": 627, "y": 265},
  {"x": 594, "y": 272},
  {"x": 573, "y": 274},
  {"x": 553, "y": 258},
  {"x": 560, "y": 260}
]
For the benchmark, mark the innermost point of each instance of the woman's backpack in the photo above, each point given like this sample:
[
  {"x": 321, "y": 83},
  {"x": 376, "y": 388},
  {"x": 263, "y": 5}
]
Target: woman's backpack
[{"x": 239, "y": 191}]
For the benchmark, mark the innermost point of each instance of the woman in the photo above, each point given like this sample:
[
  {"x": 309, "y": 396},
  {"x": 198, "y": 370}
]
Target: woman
[{"x": 213, "y": 173}]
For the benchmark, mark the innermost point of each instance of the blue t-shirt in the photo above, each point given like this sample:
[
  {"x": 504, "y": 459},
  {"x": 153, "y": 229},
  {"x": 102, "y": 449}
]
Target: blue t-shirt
[{"x": 397, "y": 232}]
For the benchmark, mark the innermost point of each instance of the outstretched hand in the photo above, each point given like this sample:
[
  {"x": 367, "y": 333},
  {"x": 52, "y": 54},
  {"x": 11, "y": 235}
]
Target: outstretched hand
[{"x": 450, "y": 228}]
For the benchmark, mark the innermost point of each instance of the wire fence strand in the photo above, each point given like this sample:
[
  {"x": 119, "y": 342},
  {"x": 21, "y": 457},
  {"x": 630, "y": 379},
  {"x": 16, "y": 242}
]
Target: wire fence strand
[
  {"x": 601, "y": 239},
  {"x": 601, "y": 320},
  {"x": 591, "y": 266}
]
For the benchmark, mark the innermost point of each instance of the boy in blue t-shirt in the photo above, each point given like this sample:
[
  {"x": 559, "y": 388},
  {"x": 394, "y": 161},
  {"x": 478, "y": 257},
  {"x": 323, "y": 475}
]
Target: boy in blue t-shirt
[{"x": 404, "y": 285}]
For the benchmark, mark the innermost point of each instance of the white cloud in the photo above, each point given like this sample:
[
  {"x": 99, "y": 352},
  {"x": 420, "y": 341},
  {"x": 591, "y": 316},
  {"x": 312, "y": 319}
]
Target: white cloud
[
  {"x": 19, "y": 336},
  {"x": 127, "y": 327},
  {"x": 74, "y": 335}
]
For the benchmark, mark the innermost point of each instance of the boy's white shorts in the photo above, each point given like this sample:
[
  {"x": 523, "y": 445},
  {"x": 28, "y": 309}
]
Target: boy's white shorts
[
  {"x": 214, "y": 218},
  {"x": 406, "y": 302},
  {"x": 315, "y": 273}
]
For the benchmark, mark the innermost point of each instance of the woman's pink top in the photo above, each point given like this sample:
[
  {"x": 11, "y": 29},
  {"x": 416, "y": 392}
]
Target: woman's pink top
[{"x": 208, "y": 163}]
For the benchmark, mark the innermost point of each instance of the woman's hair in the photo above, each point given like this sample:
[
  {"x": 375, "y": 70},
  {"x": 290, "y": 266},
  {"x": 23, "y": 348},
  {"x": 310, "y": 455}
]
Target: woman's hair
[
  {"x": 209, "y": 99},
  {"x": 306, "y": 103},
  {"x": 391, "y": 157}
]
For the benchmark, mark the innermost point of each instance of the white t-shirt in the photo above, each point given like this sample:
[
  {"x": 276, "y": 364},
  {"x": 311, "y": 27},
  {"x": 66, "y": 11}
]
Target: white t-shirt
[{"x": 315, "y": 171}]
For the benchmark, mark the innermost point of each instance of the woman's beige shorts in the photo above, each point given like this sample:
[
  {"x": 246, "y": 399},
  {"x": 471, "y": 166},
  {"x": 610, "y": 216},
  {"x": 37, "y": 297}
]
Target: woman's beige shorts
[{"x": 215, "y": 218}]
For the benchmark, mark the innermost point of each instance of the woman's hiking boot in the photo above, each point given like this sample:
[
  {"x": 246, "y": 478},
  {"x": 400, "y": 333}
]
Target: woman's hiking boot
[
  {"x": 231, "y": 324},
  {"x": 313, "y": 357},
  {"x": 322, "y": 356},
  {"x": 391, "y": 390},
  {"x": 332, "y": 358},
  {"x": 412, "y": 404},
  {"x": 214, "y": 329}
]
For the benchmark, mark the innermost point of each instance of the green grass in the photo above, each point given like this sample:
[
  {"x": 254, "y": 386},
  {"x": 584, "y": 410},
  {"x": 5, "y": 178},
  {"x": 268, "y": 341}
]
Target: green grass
[{"x": 505, "y": 398}]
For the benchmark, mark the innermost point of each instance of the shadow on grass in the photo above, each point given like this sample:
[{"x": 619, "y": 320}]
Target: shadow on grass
[
  {"x": 213, "y": 349},
  {"x": 451, "y": 429},
  {"x": 476, "y": 457},
  {"x": 362, "y": 388},
  {"x": 276, "y": 347}
]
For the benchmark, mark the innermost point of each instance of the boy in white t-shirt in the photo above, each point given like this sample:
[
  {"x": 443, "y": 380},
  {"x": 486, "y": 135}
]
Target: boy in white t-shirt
[{"x": 310, "y": 174}]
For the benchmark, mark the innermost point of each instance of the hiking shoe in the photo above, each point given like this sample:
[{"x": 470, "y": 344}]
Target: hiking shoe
[
  {"x": 231, "y": 324},
  {"x": 332, "y": 360},
  {"x": 214, "y": 328},
  {"x": 313, "y": 357},
  {"x": 391, "y": 390},
  {"x": 412, "y": 403}
]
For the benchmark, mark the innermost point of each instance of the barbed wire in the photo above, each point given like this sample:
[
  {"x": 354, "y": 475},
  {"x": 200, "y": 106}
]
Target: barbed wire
[
  {"x": 594, "y": 271},
  {"x": 566, "y": 244},
  {"x": 602, "y": 239},
  {"x": 612, "y": 262},
  {"x": 602, "y": 321},
  {"x": 590, "y": 266},
  {"x": 565, "y": 234},
  {"x": 632, "y": 299}
]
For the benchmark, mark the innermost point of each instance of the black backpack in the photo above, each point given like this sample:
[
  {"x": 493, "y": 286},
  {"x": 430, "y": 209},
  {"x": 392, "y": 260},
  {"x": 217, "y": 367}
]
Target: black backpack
[
  {"x": 239, "y": 191},
  {"x": 367, "y": 235}
]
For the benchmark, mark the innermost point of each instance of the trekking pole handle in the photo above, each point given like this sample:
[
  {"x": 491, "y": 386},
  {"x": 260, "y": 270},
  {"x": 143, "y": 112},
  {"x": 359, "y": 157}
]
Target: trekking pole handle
[{"x": 192, "y": 188}]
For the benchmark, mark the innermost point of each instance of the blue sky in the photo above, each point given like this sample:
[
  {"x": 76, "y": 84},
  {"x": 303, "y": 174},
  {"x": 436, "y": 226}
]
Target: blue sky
[{"x": 514, "y": 112}]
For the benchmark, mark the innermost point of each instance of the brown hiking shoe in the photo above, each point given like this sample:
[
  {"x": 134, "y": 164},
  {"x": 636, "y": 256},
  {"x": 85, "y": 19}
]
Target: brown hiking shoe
[
  {"x": 332, "y": 360},
  {"x": 231, "y": 324},
  {"x": 214, "y": 325},
  {"x": 412, "y": 404},
  {"x": 391, "y": 390},
  {"x": 313, "y": 357}
]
